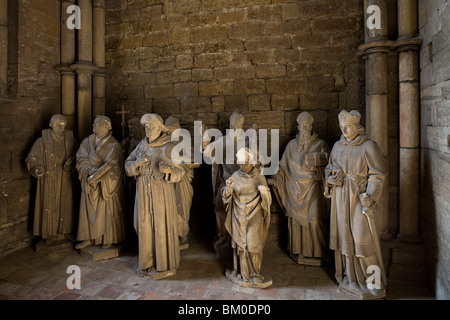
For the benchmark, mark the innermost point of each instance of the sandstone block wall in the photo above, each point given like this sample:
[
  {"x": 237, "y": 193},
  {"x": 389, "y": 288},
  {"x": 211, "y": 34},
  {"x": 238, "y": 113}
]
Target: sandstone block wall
[
  {"x": 33, "y": 93},
  {"x": 268, "y": 59},
  {"x": 434, "y": 22}
]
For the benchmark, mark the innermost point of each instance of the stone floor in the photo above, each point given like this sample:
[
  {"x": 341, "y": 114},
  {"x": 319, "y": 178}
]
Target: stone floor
[{"x": 27, "y": 275}]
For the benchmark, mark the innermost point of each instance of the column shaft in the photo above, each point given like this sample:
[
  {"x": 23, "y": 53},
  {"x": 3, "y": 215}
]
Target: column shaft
[
  {"x": 68, "y": 107},
  {"x": 409, "y": 122},
  {"x": 377, "y": 120},
  {"x": 99, "y": 83},
  {"x": 84, "y": 70},
  {"x": 409, "y": 145},
  {"x": 376, "y": 95}
]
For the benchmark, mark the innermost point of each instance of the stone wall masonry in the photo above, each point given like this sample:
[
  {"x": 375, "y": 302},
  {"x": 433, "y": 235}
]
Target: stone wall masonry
[
  {"x": 190, "y": 57},
  {"x": 434, "y": 25},
  {"x": 35, "y": 51}
]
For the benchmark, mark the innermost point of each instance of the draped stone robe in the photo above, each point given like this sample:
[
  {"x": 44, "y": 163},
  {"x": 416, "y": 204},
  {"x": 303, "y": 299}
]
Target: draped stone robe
[
  {"x": 224, "y": 164},
  {"x": 248, "y": 217},
  {"x": 101, "y": 206},
  {"x": 184, "y": 194},
  {"x": 53, "y": 212},
  {"x": 350, "y": 232},
  {"x": 155, "y": 208},
  {"x": 299, "y": 189}
]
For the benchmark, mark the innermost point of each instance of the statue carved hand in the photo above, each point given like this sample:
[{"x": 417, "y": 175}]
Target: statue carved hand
[
  {"x": 334, "y": 176},
  {"x": 67, "y": 167},
  {"x": 230, "y": 183},
  {"x": 38, "y": 172},
  {"x": 142, "y": 161},
  {"x": 366, "y": 200},
  {"x": 92, "y": 181},
  {"x": 165, "y": 168},
  {"x": 91, "y": 171}
]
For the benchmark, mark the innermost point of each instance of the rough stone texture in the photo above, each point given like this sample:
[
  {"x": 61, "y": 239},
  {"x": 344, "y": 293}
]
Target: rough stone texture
[
  {"x": 434, "y": 23},
  {"x": 250, "y": 56},
  {"x": 34, "y": 95}
]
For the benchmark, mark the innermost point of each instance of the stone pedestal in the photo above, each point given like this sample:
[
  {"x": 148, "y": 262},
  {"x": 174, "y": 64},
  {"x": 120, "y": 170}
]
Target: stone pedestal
[
  {"x": 315, "y": 262},
  {"x": 267, "y": 282},
  {"x": 96, "y": 253},
  {"x": 155, "y": 275},
  {"x": 361, "y": 295}
]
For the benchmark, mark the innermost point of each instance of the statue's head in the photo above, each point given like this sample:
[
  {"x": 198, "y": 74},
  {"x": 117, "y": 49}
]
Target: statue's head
[
  {"x": 236, "y": 121},
  {"x": 58, "y": 123},
  {"x": 172, "y": 123},
  {"x": 305, "y": 122},
  {"x": 349, "y": 123},
  {"x": 246, "y": 159},
  {"x": 154, "y": 126},
  {"x": 102, "y": 126},
  {"x": 136, "y": 129}
]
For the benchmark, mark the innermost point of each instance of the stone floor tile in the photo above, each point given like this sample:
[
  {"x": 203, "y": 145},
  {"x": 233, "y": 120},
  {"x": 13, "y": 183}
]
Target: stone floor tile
[
  {"x": 67, "y": 296},
  {"x": 8, "y": 287},
  {"x": 175, "y": 289},
  {"x": 83, "y": 297},
  {"x": 6, "y": 270},
  {"x": 110, "y": 292},
  {"x": 91, "y": 288},
  {"x": 43, "y": 294},
  {"x": 218, "y": 294},
  {"x": 24, "y": 291},
  {"x": 312, "y": 294},
  {"x": 290, "y": 293},
  {"x": 132, "y": 295}
]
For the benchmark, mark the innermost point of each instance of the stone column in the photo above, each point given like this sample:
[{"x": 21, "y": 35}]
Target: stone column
[
  {"x": 3, "y": 48},
  {"x": 99, "y": 85},
  {"x": 67, "y": 35},
  {"x": 84, "y": 69},
  {"x": 376, "y": 55},
  {"x": 409, "y": 120}
]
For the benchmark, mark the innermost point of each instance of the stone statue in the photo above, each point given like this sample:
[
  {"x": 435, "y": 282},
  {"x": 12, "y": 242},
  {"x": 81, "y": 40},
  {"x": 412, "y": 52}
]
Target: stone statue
[
  {"x": 247, "y": 202},
  {"x": 136, "y": 134},
  {"x": 223, "y": 166},
  {"x": 50, "y": 160},
  {"x": 155, "y": 211},
  {"x": 184, "y": 191},
  {"x": 299, "y": 187},
  {"x": 100, "y": 168},
  {"x": 355, "y": 181}
]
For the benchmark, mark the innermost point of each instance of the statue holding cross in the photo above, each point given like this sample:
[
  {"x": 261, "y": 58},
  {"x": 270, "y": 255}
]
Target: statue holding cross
[{"x": 122, "y": 112}]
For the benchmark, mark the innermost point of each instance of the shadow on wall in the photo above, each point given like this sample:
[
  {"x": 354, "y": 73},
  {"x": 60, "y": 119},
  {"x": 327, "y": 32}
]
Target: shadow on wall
[{"x": 429, "y": 222}]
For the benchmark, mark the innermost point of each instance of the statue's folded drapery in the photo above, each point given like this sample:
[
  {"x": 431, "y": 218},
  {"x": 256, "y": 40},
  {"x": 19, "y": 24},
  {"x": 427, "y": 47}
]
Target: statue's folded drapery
[
  {"x": 53, "y": 212},
  {"x": 155, "y": 209},
  {"x": 101, "y": 208}
]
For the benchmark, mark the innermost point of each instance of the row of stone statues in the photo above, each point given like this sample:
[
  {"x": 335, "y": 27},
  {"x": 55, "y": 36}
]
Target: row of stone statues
[{"x": 330, "y": 199}]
